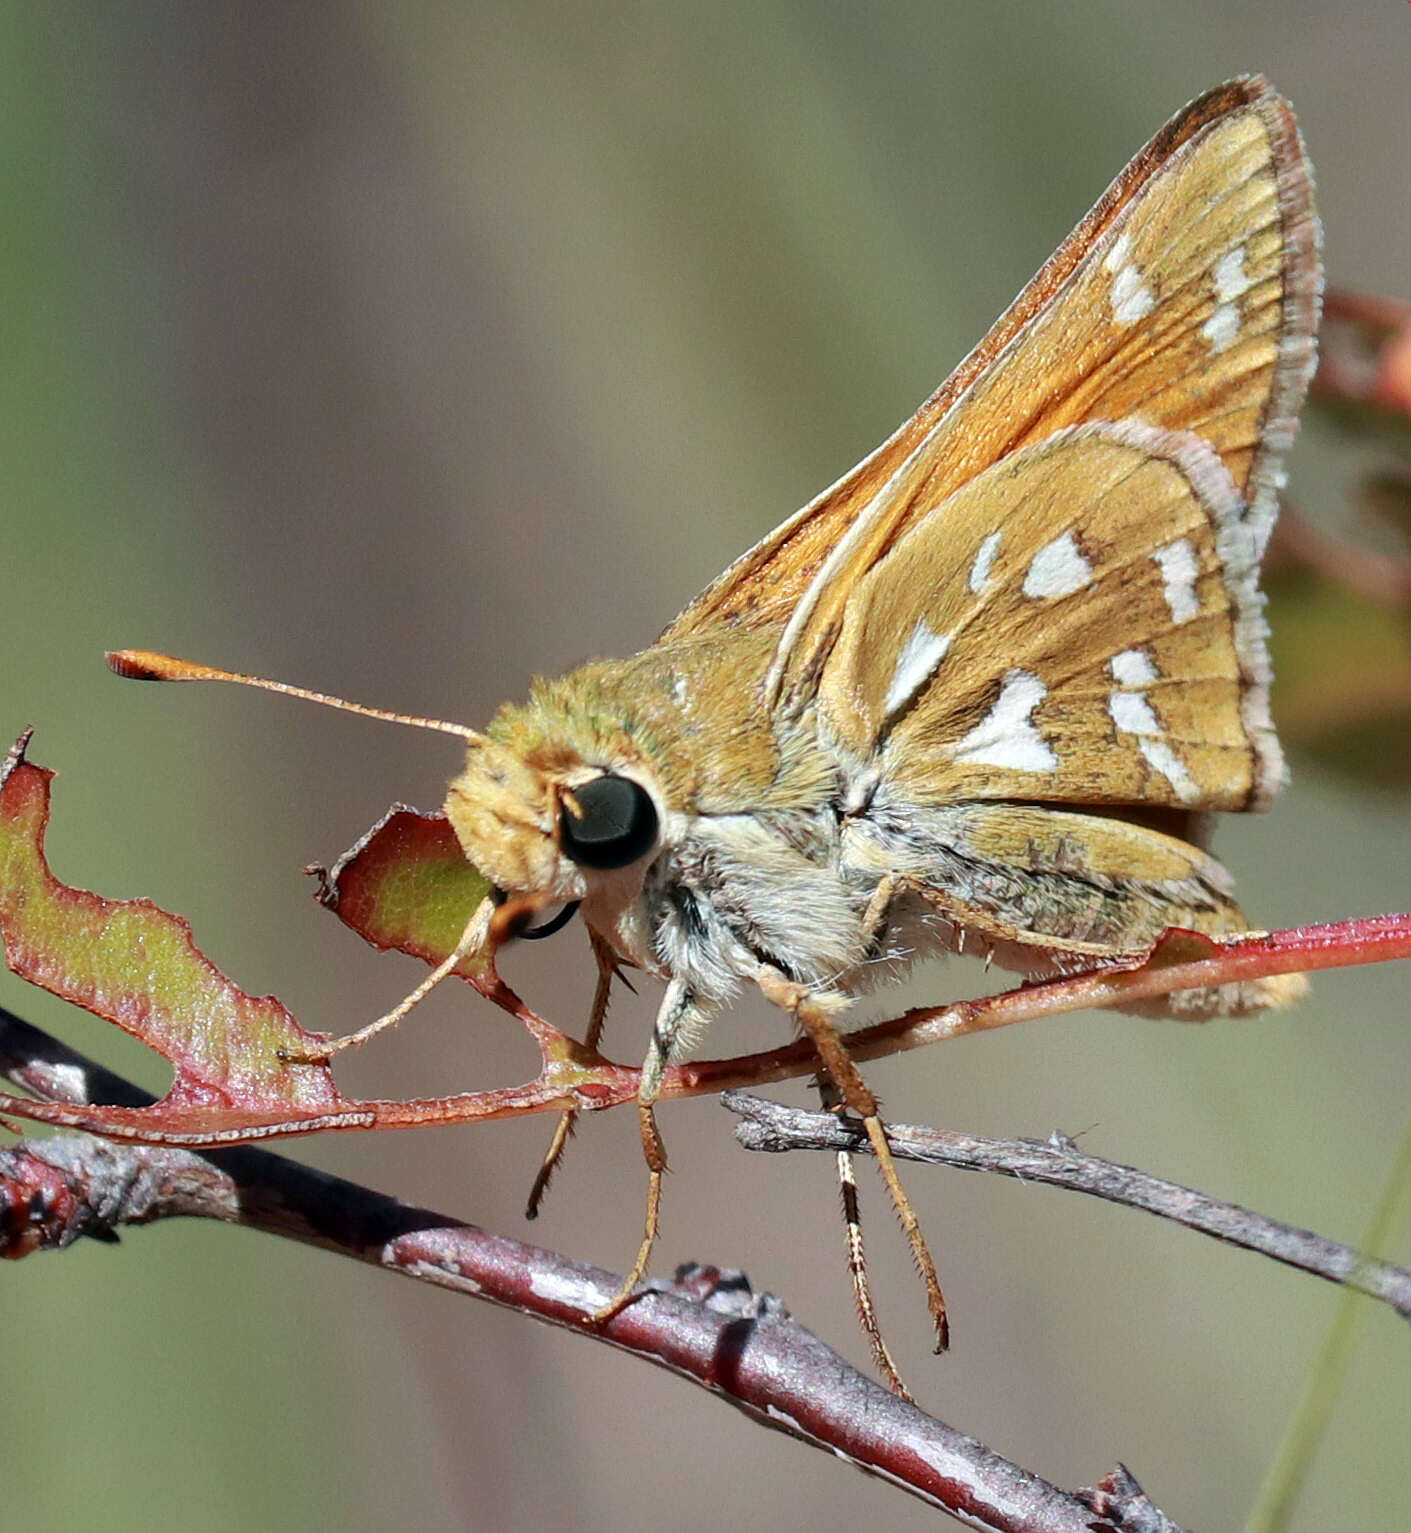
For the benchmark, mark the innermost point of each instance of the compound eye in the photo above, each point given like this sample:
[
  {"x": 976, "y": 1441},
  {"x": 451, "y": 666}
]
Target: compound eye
[{"x": 615, "y": 823}]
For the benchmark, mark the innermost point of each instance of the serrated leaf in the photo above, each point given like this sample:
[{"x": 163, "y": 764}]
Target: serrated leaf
[
  {"x": 234, "y": 1081},
  {"x": 136, "y": 965}
]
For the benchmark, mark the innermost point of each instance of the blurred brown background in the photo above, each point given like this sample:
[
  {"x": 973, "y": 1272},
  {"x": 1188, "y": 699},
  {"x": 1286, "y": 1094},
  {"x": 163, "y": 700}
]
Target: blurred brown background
[{"x": 406, "y": 351}]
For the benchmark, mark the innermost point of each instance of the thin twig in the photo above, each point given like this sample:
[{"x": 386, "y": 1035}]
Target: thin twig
[
  {"x": 707, "y": 1326},
  {"x": 1058, "y": 1162}
]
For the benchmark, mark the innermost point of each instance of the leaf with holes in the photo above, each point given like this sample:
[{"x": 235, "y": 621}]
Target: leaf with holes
[
  {"x": 135, "y": 965},
  {"x": 237, "y": 1071}
]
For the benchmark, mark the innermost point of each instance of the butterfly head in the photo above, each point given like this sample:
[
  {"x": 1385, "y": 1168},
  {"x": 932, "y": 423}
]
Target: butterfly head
[{"x": 548, "y": 815}]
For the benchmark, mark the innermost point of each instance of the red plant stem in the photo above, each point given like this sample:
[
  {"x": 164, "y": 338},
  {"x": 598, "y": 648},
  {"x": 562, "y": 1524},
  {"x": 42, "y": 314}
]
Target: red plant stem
[
  {"x": 1373, "y": 367},
  {"x": 1369, "y": 311},
  {"x": 592, "y": 1087},
  {"x": 1375, "y": 939}
]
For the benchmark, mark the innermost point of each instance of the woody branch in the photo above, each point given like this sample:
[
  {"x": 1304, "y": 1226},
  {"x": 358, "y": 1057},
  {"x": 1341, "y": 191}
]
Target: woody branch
[{"x": 706, "y": 1327}]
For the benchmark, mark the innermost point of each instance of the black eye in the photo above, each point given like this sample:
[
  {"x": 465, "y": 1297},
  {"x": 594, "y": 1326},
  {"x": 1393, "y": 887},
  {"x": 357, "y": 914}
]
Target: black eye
[{"x": 616, "y": 823}]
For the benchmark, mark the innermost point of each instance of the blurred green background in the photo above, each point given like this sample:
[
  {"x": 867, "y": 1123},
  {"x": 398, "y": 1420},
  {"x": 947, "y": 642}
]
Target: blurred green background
[{"x": 406, "y": 351}]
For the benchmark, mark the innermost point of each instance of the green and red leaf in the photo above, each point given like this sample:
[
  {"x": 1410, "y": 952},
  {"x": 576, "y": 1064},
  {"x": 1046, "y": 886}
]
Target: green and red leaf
[
  {"x": 136, "y": 965},
  {"x": 240, "y": 1069},
  {"x": 406, "y": 886}
]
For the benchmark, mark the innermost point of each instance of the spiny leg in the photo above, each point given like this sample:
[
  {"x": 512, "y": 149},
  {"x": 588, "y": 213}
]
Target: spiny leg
[
  {"x": 812, "y": 1016},
  {"x": 857, "y": 1255},
  {"x": 654, "y": 1152},
  {"x": 875, "y": 921},
  {"x": 672, "y": 1030},
  {"x": 563, "y": 1131}
]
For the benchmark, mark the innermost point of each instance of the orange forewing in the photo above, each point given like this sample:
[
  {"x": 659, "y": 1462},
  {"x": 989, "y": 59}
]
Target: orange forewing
[{"x": 1132, "y": 315}]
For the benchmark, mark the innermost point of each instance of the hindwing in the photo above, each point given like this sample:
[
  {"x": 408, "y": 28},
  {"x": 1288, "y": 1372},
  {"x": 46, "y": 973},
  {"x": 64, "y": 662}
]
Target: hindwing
[{"x": 1078, "y": 624}]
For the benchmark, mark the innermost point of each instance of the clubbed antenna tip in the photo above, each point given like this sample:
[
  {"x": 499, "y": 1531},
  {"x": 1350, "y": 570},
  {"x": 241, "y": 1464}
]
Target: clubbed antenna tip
[{"x": 148, "y": 665}]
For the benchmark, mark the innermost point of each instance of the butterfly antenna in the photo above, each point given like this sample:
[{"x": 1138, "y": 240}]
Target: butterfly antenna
[{"x": 147, "y": 665}]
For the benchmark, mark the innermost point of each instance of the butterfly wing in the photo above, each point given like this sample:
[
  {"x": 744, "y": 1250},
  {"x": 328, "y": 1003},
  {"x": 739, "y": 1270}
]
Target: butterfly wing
[
  {"x": 1188, "y": 299},
  {"x": 1042, "y": 590},
  {"x": 1079, "y": 624},
  {"x": 1045, "y": 683}
]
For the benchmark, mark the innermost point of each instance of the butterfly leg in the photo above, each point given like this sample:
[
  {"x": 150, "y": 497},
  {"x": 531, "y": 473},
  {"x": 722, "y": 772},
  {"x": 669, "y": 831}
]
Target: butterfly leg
[
  {"x": 811, "y": 1011},
  {"x": 832, "y": 1100},
  {"x": 568, "y": 1119},
  {"x": 874, "y": 927},
  {"x": 677, "y": 1023}
]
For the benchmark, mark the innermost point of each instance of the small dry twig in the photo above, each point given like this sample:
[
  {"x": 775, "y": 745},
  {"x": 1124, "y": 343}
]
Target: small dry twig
[{"x": 1058, "y": 1162}]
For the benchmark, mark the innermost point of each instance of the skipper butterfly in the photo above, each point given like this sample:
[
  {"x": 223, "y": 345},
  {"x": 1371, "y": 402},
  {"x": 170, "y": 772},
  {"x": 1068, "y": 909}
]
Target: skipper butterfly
[{"x": 984, "y": 693}]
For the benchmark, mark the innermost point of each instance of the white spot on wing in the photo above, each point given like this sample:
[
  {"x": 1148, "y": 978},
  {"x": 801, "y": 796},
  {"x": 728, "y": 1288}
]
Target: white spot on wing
[
  {"x": 916, "y": 663},
  {"x": 1178, "y": 575},
  {"x": 1222, "y": 328},
  {"x": 1231, "y": 284},
  {"x": 1116, "y": 258},
  {"x": 984, "y": 562},
  {"x": 1133, "y": 668},
  {"x": 1231, "y": 281},
  {"x": 1058, "y": 569},
  {"x": 1132, "y": 299},
  {"x": 1161, "y": 758},
  {"x": 1006, "y": 736},
  {"x": 1132, "y": 714}
]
